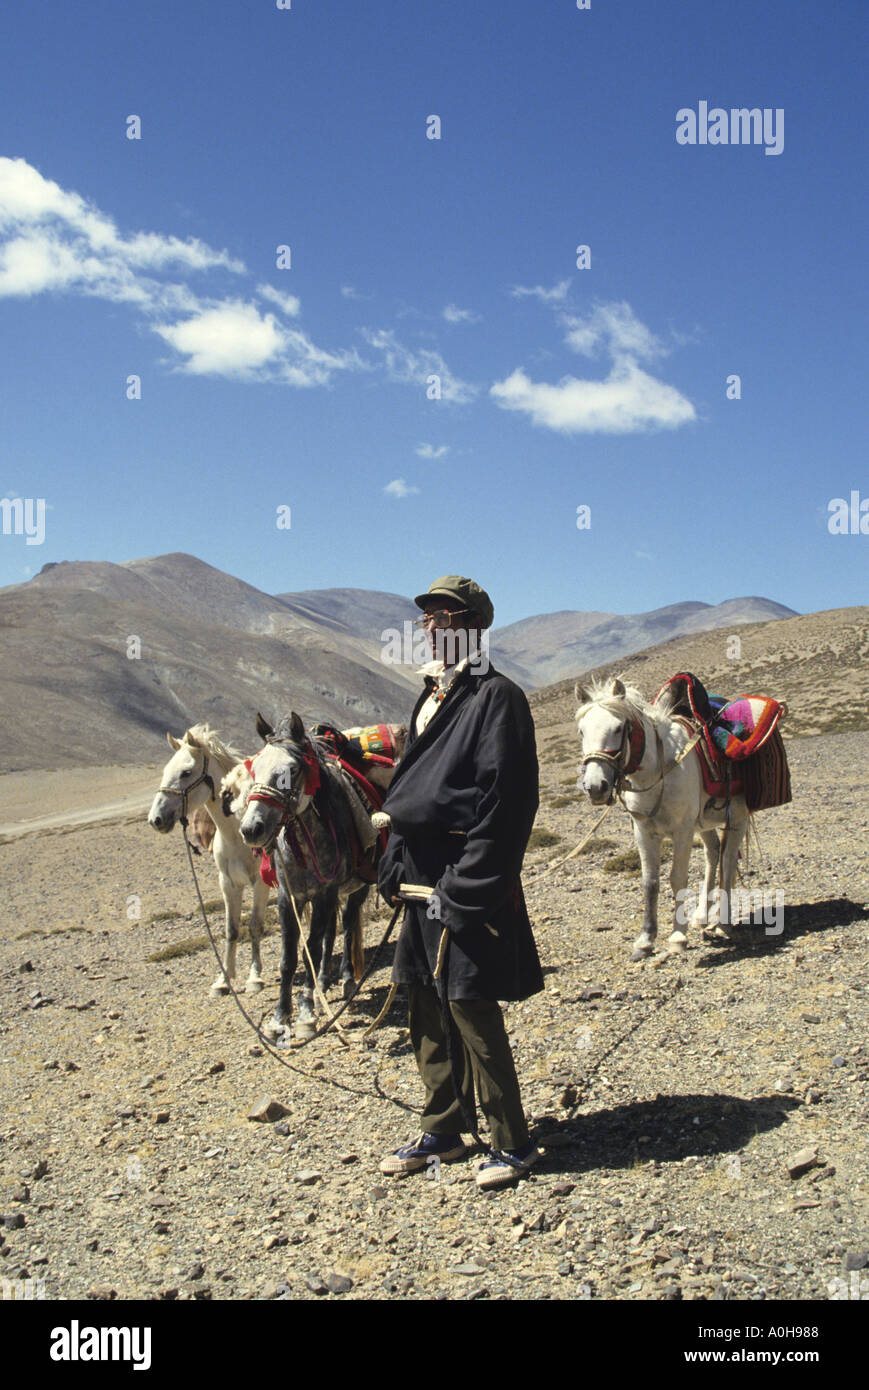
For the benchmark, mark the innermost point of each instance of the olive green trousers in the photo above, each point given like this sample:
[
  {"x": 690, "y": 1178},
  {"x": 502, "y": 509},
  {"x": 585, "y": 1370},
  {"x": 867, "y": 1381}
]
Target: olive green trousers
[{"x": 483, "y": 1057}]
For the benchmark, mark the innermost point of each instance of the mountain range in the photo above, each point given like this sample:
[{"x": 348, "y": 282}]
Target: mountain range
[{"x": 98, "y": 660}]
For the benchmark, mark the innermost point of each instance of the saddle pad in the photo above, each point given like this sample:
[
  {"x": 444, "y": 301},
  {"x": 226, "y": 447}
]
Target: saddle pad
[
  {"x": 375, "y": 741},
  {"x": 720, "y": 780},
  {"x": 759, "y": 715}
]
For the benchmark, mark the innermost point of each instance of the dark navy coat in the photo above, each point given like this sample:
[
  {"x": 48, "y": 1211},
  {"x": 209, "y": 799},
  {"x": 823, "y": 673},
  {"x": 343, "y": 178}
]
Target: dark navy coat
[{"x": 462, "y": 803}]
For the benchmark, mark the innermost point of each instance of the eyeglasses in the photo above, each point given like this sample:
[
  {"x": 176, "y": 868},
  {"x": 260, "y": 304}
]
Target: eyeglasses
[{"x": 441, "y": 617}]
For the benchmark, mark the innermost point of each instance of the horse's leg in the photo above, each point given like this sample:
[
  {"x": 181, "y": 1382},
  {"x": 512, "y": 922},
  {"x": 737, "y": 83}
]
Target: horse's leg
[
  {"x": 322, "y": 912},
  {"x": 650, "y": 859},
  {"x": 328, "y": 945},
  {"x": 260, "y": 892},
  {"x": 353, "y": 948},
  {"x": 733, "y": 838},
  {"x": 683, "y": 840},
  {"x": 712, "y": 851},
  {"x": 232, "y": 914},
  {"x": 283, "y": 1014}
]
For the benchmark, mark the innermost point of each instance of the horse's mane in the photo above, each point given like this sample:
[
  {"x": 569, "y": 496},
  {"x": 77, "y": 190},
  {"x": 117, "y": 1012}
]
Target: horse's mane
[
  {"x": 204, "y": 737},
  {"x": 632, "y": 705}
]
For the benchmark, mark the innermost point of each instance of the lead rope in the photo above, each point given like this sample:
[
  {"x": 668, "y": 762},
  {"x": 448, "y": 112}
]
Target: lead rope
[{"x": 294, "y": 1046}]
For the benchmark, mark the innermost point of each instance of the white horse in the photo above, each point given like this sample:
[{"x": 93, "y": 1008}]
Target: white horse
[
  {"x": 191, "y": 778},
  {"x": 639, "y": 752}
]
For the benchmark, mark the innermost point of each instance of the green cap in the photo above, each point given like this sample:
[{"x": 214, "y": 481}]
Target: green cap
[{"x": 465, "y": 591}]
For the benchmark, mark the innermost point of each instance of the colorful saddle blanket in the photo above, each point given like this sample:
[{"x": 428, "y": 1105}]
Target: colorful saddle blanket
[{"x": 742, "y": 731}]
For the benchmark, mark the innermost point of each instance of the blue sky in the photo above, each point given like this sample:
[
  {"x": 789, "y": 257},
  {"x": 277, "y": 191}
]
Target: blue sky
[{"x": 307, "y": 387}]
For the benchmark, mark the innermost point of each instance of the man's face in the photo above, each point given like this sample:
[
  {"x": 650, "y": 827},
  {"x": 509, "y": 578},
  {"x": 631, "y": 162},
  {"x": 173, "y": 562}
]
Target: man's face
[{"x": 448, "y": 644}]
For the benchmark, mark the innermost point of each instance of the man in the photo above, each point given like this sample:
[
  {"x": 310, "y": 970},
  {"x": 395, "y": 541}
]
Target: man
[{"x": 462, "y": 804}]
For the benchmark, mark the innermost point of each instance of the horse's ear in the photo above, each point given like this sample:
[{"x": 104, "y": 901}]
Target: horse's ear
[
  {"x": 174, "y": 743},
  {"x": 580, "y": 694},
  {"x": 263, "y": 728},
  {"x": 297, "y": 728},
  {"x": 617, "y": 687},
  {"x": 190, "y": 739}
]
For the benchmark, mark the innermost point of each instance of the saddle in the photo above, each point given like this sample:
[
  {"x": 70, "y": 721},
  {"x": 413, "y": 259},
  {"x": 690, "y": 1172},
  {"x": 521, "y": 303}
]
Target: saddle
[{"x": 741, "y": 748}]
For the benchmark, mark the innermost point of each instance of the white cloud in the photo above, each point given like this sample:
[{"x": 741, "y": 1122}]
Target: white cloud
[
  {"x": 229, "y": 339},
  {"x": 453, "y": 314},
  {"x": 615, "y": 328},
  {"x": 53, "y": 240},
  {"x": 402, "y": 364},
  {"x": 627, "y": 402},
  {"x": 289, "y": 304},
  {"x": 554, "y": 296},
  {"x": 428, "y": 451},
  {"x": 399, "y": 488}
]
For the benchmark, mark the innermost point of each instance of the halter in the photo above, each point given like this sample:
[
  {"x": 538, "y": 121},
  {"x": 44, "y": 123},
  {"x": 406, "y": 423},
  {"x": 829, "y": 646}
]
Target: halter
[
  {"x": 185, "y": 792},
  {"x": 287, "y": 802},
  {"x": 626, "y": 758}
]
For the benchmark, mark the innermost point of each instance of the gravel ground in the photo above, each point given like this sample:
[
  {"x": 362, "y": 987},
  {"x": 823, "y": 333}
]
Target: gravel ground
[{"x": 669, "y": 1096}]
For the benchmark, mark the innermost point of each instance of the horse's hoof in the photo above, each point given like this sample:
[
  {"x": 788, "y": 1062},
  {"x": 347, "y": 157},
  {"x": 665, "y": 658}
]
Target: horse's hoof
[
  {"x": 717, "y": 935},
  {"x": 305, "y": 1028},
  {"x": 677, "y": 943},
  {"x": 220, "y": 987},
  {"x": 641, "y": 952},
  {"x": 253, "y": 986},
  {"x": 273, "y": 1030}
]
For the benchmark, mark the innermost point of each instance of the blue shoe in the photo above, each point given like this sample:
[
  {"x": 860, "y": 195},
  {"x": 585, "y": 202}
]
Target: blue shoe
[
  {"x": 443, "y": 1147},
  {"x": 495, "y": 1172}
]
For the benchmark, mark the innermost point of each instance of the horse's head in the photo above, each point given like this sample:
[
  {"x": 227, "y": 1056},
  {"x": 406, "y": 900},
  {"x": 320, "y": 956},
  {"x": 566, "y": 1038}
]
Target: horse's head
[
  {"x": 286, "y": 774},
  {"x": 186, "y": 782},
  {"x": 612, "y": 739}
]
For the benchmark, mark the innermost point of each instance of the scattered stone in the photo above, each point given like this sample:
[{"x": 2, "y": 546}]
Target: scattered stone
[
  {"x": 161, "y": 1117},
  {"x": 804, "y": 1205},
  {"x": 315, "y": 1284},
  {"x": 468, "y": 1269},
  {"x": 14, "y": 1221},
  {"x": 216, "y": 1067},
  {"x": 349, "y": 1158},
  {"x": 563, "y": 1189},
  {"x": 567, "y": 1097},
  {"x": 167, "y": 1295},
  {"x": 267, "y": 1110},
  {"x": 161, "y": 1228},
  {"x": 595, "y": 992},
  {"x": 339, "y": 1283},
  {"x": 822, "y": 1173},
  {"x": 308, "y": 1177},
  {"x": 855, "y": 1260},
  {"x": 92, "y": 1245},
  {"x": 102, "y": 1293},
  {"x": 25, "y": 967},
  {"x": 810, "y": 1018},
  {"x": 22, "y": 1194},
  {"x": 838, "y": 1062},
  {"x": 256, "y": 1052},
  {"x": 195, "y": 1272},
  {"x": 277, "y": 1241},
  {"x": 802, "y": 1161},
  {"x": 203, "y": 1293},
  {"x": 282, "y": 1128}
]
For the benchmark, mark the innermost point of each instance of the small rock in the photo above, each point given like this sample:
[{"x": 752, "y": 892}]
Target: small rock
[
  {"x": 92, "y": 1245},
  {"x": 339, "y": 1283},
  {"x": 348, "y": 1158},
  {"x": 256, "y": 1052},
  {"x": 315, "y": 1284},
  {"x": 595, "y": 992},
  {"x": 267, "y": 1109},
  {"x": 216, "y": 1067},
  {"x": 804, "y": 1205},
  {"x": 22, "y": 1194},
  {"x": 469, "y": 1268},
  {"x": 161, "y": 1228},
  {"x": 277, "y": 1241},
  {"x": 855, "y": 1260},
  {"x": 167, "y": 1295},
  {"x": 102, "y": 1292},
  {"x": 308, "y": 1177},
  {"x": 25, "y": 967},
  {"x": 203, "y": 1293},
  {"x": 810, "y": 1018},
  {"x": 282, "y": 1128},
  {"x": 567, "y": 1097},
  {"x": 822, "y": 1173},
  {"x": 161, "y": 1117},
  {"x": 563, "y": 1189},
  {"x": 802, "y": 1161},
  {"x": 14, "y": 1221},
  {"x": 195, "y": 1272}
]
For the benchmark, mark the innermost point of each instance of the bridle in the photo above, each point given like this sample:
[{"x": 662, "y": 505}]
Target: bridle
[
  {"x": 626, "y": 758},
  {"x": 286, "y": 800},
  {"x": 184, "y": 792}
]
